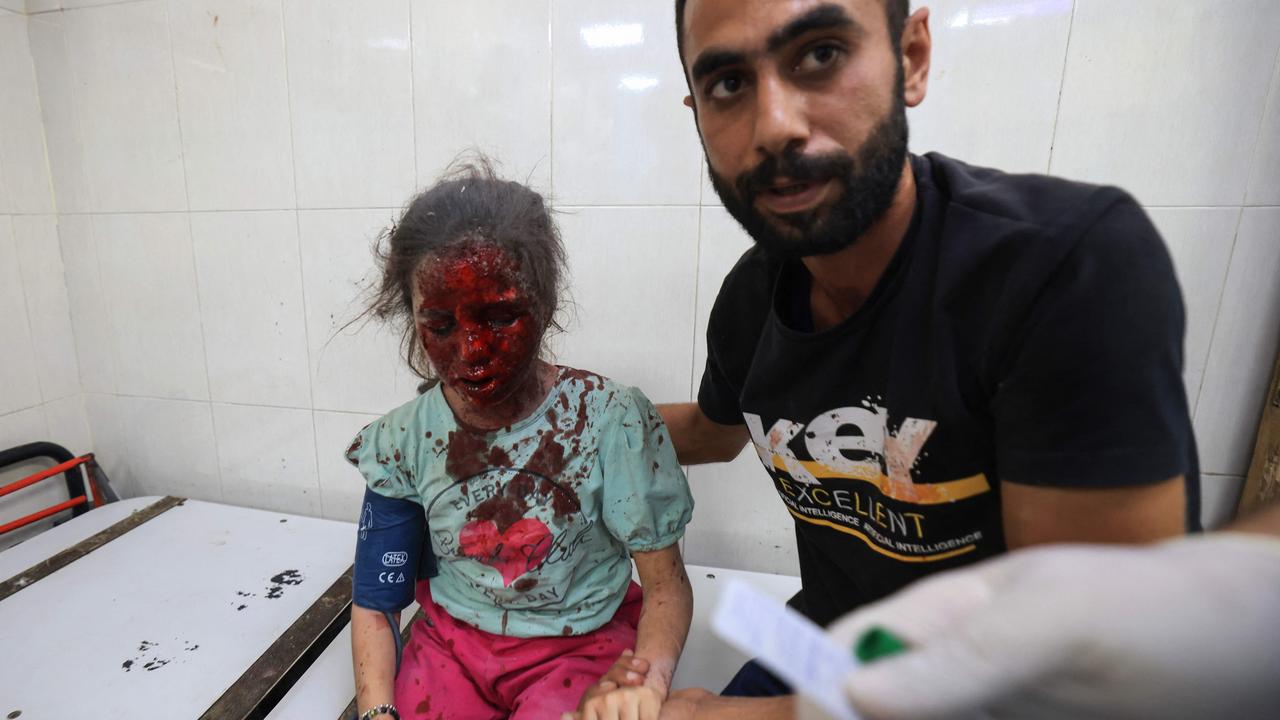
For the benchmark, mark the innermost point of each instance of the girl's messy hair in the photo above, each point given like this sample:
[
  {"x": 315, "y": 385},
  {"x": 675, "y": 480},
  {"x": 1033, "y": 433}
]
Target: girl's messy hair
[{"x": 469, "y": 204}]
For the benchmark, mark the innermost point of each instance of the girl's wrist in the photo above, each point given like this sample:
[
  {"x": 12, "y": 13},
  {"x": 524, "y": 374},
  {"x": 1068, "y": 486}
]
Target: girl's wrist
[{"x": 660, "y": 674}]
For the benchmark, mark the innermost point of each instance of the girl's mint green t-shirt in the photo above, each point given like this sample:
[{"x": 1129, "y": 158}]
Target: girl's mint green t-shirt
[{"x": 532, "y": 524}]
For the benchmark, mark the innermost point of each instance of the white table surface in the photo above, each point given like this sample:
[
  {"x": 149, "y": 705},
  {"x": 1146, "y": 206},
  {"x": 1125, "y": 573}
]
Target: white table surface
[
  {"x": 102, "y": 615},
  {"x": 159, "y": 622},
  {"x": 328, "y": 686}
]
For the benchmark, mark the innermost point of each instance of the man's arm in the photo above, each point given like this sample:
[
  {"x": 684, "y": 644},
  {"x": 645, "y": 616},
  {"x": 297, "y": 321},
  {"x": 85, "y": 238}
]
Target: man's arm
[
  {"x": 1035, "y": 515},
  {"x": 702, "y": 705},
  {"x": 699, "y": 439}
]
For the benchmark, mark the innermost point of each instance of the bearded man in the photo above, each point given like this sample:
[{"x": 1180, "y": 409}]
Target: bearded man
[{"x": 935, "y": 362}]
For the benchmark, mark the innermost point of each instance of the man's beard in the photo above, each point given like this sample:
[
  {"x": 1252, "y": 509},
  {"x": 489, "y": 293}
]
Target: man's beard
[{"x": 868, "y": 183}]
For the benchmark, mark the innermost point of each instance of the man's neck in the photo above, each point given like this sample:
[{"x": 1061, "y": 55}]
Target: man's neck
[{"x": 842, "y": 281}]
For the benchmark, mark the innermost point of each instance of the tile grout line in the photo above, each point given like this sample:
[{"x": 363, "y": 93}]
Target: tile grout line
[
  {"x": 82, "y": 172},
  {"x": 231, "y": 403},
  {"x": 26, "y": 306},
  {"x": 1062, "y": 84},
  {"x": 84, "y": 7},
  {"x": 57, "y": 230},
  {"x": 1217, "y": 314},
  {"x": 44, "y": 131},
  {"x": 191, "y": 237},
  {"x": 302, "y": 277},
  {"x": 1262, "y": 122}
]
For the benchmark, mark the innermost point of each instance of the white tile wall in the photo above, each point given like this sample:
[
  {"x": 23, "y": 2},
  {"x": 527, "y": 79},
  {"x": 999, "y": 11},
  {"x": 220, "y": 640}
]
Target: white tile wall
[
  {"x": 149, "y": 282},
  {"x": 473, "y": 63},
  {"x": 1264, "y": 181},
  {"x": 39, "y": 256},
  {"x": 618, "y": 315},
  {"x": 1244, "y": 348},
  {"x": 125, "y": 101},
  {"x": 107, "y": 416},
  {"x": 170, "y": 447},
  {"x": 1199, "y": 61},
  {"x": 738, "y": 520},
  {"x": 56, "y": 77},
  {"x": 19, "y": 378},
  {"x": 968, "y": 112},
  {"x": 255, "y": 333},
  {"x": 233, "y": 100},
  {"x": 267, "y": 458},
  {"x": 220, "y": 167},
  {"x": 24, "y": 175},
  {"x": 350, "y": 85},
  {"x": 40, "y": 396},
  {"x": 621, "y": 134},
  {"x": 721, "y": 242},
  {"x": 90, "y": 312},
  {"x": 1200, "y": 241},
  {"x": 69, "y": 424},
  {"x": 1221, "y": 495},
  {"x": 341, "y": 486},
  {"x": 355, "y": 366}
]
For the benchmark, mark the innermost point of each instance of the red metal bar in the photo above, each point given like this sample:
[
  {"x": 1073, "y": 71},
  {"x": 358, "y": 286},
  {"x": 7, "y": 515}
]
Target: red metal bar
[
  {"x": 42, "y": 475},
  {"x": 98, "y": 500},
  {"x": 40, "y": 515}
]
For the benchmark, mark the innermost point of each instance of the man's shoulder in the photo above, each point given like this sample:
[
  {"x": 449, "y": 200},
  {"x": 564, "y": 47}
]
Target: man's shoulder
[
  {"x": 755, "y": 271},
  {"x": 1031, "y": 224},
  {"x": 1021, "y": 202}
]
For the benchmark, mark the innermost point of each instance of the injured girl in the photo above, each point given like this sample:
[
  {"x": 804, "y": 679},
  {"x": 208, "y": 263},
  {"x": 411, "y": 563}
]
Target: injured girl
[{"x": 526, "y": 487}]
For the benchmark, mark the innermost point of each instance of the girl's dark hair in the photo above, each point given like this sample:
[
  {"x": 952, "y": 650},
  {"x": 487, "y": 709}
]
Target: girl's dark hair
[{"x": 468, "y": 205}]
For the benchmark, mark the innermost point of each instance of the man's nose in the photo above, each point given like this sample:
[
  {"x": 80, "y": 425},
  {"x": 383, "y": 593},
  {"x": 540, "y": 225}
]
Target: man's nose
[{"x": 781, "y": 116}]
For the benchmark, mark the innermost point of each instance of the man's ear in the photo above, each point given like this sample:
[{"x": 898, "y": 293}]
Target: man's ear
[
  {"x": 688, "y": 101},
  {"x": 917, "y": 51}
]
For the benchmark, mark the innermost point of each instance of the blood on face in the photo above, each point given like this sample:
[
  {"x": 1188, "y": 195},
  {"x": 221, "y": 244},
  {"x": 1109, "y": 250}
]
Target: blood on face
[{"x": 477, "y": 324}]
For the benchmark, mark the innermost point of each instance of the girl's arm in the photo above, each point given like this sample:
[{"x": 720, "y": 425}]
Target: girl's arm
[
  {"x": 664, "y": 624},
  {"x": 373, "y": 652},
  {"x": 665, "y": 615}
]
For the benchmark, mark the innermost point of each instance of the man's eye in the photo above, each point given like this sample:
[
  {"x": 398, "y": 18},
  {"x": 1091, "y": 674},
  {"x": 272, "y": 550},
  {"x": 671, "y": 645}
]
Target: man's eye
[
  {"x": 501, "y": 321},
  {"x": 818, "y": 57},
  {"x": 726, "y": 87}
]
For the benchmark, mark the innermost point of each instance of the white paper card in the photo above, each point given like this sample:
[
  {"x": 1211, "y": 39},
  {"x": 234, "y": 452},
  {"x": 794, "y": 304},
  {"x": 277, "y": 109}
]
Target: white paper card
[{"x": 789, "y": 644}]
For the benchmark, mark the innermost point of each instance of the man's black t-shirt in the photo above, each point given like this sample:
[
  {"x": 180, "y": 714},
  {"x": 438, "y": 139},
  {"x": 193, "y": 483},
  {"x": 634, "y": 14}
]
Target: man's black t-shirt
[{"x": 1028, "y": 330}]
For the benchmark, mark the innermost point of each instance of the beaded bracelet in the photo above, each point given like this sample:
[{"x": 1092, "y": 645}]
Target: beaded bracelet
[{"x": 377, "y": 710}]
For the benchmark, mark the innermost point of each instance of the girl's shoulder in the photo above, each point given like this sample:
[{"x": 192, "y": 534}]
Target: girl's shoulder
[
  {"x": 399, "y": 428},
  {"x": 597, "y": 395}
]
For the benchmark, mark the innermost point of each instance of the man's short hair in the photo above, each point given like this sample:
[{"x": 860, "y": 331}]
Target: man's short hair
[{"x": 895, "y": 10}]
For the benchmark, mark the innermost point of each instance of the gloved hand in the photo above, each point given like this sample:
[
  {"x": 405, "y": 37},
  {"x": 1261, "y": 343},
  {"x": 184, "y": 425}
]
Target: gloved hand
[{"x": 1186, "y": 629}]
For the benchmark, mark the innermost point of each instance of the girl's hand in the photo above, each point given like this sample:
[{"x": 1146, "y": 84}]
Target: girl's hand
[
  {"x": 627, "y": 671},
  {"x": 625, "y": 703}
]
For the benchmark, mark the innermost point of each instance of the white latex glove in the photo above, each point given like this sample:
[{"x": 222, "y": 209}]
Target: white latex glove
[{"x": 1186, "y": 629}]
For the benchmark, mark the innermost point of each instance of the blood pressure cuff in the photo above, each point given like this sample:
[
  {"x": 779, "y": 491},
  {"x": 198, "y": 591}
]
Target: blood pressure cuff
[{"x": 392, "y": 553}]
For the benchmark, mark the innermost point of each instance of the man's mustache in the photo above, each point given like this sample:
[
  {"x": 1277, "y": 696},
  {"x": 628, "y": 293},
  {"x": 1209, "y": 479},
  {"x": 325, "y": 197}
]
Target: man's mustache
[{"x": 795, "y": 167}]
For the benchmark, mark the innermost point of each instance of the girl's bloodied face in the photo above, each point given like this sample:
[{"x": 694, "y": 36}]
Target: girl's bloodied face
[{"x": 478, "y": 325}]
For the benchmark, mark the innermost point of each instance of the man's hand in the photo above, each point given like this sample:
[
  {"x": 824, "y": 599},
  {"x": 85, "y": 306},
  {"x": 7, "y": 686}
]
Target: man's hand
[
  {"x": 683, "y": 704},
  {"x": 1186, "y": 629}
]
